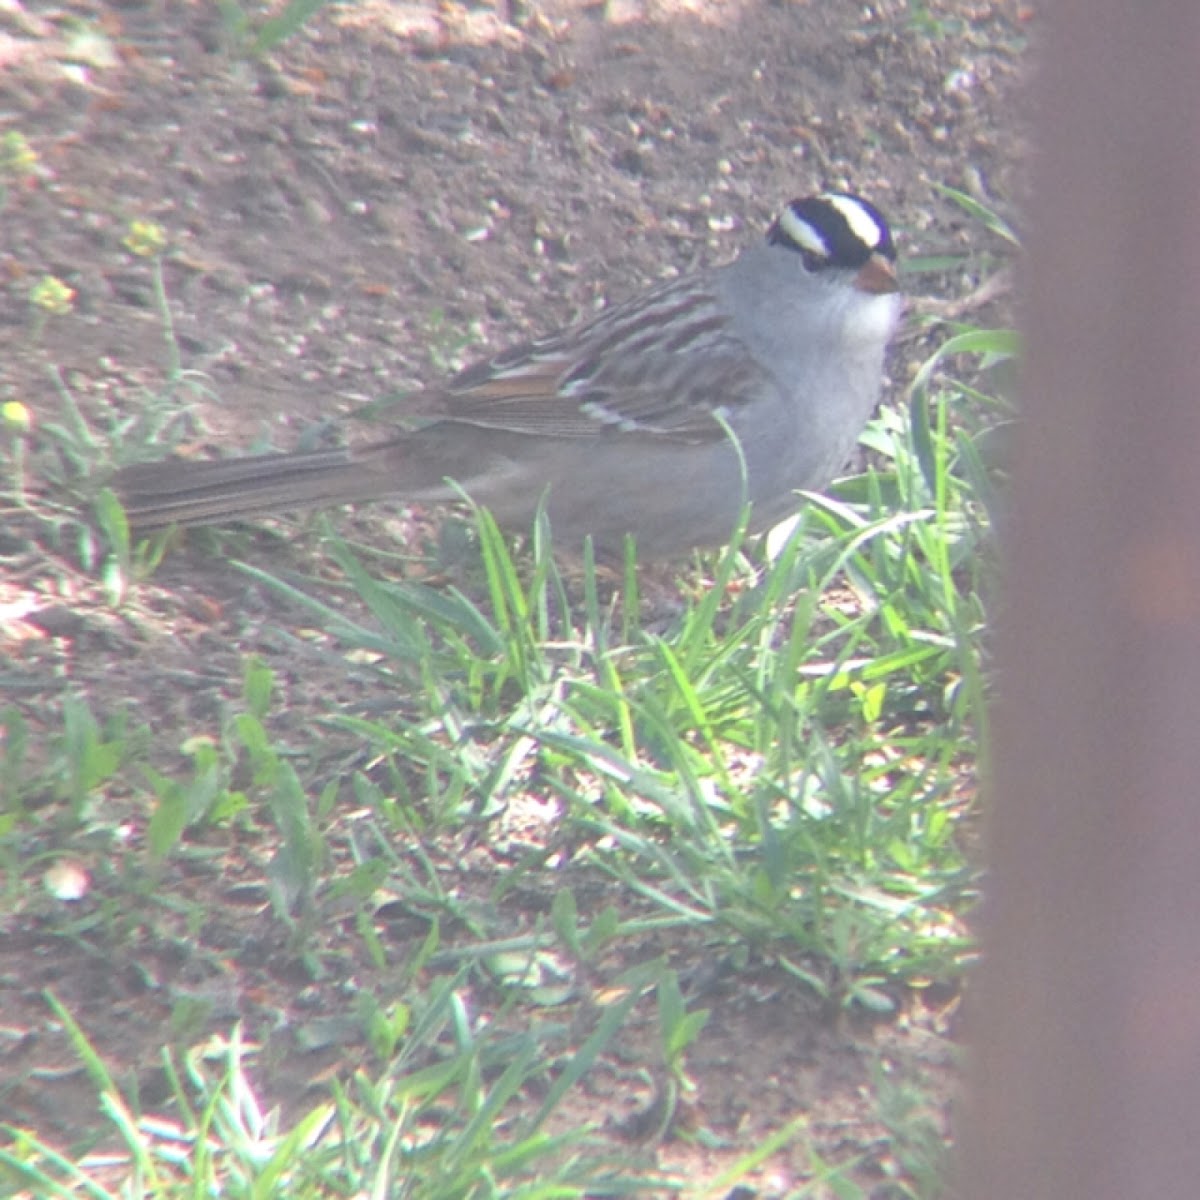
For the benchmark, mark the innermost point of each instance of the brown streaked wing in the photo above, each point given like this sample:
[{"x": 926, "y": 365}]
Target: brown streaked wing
[{"x": 660, "y": 363}]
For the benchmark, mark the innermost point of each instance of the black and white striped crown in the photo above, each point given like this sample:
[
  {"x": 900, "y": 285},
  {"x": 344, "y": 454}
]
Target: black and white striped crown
[{"x": 835, "y": 229}]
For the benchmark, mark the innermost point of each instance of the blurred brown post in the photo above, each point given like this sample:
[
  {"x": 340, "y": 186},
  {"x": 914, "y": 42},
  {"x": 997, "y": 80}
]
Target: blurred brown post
[{"x": 1086, "y": 1028}]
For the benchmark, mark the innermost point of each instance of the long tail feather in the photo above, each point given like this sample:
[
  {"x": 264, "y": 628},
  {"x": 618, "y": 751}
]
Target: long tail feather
[{"x": 204, "y": 493}]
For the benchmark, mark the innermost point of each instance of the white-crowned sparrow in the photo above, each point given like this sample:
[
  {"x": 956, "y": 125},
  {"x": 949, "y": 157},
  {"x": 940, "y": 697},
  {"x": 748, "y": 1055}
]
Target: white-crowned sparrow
[{"x": 627, "y": 422}]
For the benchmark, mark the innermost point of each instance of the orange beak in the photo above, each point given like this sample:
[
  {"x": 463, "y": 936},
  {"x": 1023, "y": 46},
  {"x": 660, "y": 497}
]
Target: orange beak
[{"x": 877, "y": 277}]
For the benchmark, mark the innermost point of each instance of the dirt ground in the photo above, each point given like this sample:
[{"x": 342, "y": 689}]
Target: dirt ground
[{"x": 393, "y": 187}]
